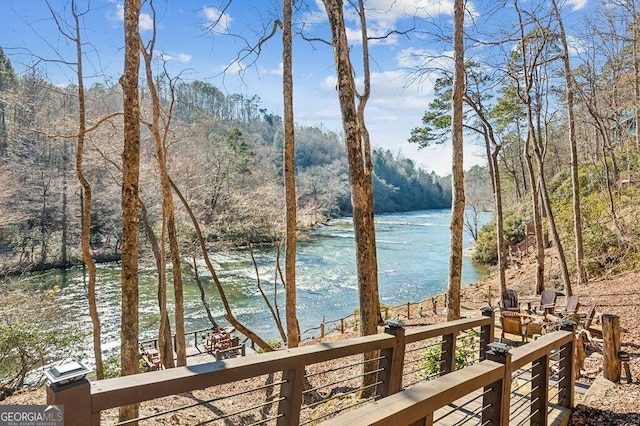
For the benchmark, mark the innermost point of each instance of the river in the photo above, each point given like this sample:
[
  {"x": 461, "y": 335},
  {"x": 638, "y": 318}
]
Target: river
[{"x": 413, "y": 255}]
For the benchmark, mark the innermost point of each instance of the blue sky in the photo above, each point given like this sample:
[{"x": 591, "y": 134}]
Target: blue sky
[{"x": 195, "y": 49}]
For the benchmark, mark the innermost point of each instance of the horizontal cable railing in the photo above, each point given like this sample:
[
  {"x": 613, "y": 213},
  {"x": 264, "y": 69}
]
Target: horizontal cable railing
[
  {"x": 308, "y": 384},
  {"x": 510, "y": 386}
]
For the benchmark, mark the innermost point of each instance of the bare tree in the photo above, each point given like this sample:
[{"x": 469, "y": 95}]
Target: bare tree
[
  {"x": 360, "y": 179},
  {"x": 129, "y": 354},
  {"x": 536, "y": 55},
  {"x": 524, "y": 80},
  {"x": 87, "y": 258},
  {"x": 160, "y": 134},
  {"x": 225, "y": 302},
  {"x": 293, "y": 329},
  {"x": 577, "y": 216},
  {"x": 457, "y": 207}
]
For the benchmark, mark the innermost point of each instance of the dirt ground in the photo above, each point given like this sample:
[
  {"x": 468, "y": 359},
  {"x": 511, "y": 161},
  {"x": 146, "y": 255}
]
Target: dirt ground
[{"x": 616, "y": 294}]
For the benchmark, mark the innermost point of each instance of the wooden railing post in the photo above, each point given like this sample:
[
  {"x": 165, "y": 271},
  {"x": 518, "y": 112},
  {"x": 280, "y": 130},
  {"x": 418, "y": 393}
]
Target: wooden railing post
[
  {"x": 392, "y": 361},
  {"x": 487, "y": 335},
  {"x": 611, "y": 347},
  {"x": 497, "y": 395},
  {"x": 75, "y": 398},
  {"x": 291, "y": 390},
  {"x": 540, "y": 390},
  {"x": 567, "y": 368},
  {"x": 448, "y": 353}
]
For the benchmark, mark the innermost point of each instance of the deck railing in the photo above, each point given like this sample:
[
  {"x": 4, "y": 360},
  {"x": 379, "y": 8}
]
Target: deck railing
[
  {"x": 484, "y": 393},
  {"x": 303, "y": 385}
]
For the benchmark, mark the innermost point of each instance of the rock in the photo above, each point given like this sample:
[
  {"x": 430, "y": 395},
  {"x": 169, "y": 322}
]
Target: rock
[{"x": 597, "y": 390}]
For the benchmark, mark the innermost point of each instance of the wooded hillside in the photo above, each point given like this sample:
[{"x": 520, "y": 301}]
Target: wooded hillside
[{"x": 225, "y": 153}]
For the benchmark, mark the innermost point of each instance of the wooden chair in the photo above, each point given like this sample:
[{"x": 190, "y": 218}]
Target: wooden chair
[
  {"x": 509, "y": 301},
  {"x": 547, "y": 303},
  {"x": 573, "y": 304},
  {"x": 588, "y": 317},
  {"x": 512, "y": 323},
  {"x": 150, "y": 355}
]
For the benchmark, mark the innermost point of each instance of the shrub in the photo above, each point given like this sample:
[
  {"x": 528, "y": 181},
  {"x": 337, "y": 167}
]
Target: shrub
[
  {"x": 273, "y": 343},
  {"x": 30, "y": 337},
  {"x": 466, "y": 349}
]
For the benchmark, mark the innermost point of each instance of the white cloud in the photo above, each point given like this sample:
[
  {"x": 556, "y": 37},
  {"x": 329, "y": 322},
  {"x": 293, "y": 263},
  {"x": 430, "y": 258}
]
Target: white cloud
[
  {"x": 145, "y": 22},
  {"x": 177, "y": 57},
  {"x": 383, "y": 17},
  {"x": 216, "y": 21},
  {"x": 235, "y": 67},
  {"x": 420, "y": 59},
  {"x": 576, "y": 4},
  {"x": 272, "y": 71},
  {"x": 396, "y": 106},
  {"x": 315, "y": 16},
  {"x": 393, "y": 94}
]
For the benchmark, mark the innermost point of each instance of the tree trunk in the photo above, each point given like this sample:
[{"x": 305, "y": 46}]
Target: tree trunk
[
  {"x": 493, "y": 149},
  {"x": 363, "y": 98},
  {"x": 130, "y": 179},
  {"x": 577, "y": 216},
  {"x": 168, "y": 210},
  {"x": 291, "y": 238},
  {"x": 86, "y": 207},
  {"x": 165, "y": 342},
  {"x": 457, "y": 207},
  {"x": 525, "y": 96},
  {"x": 361, "y": 186},
  {"x": 611, "y": 347},
  {"x": 564, "y": 271}
]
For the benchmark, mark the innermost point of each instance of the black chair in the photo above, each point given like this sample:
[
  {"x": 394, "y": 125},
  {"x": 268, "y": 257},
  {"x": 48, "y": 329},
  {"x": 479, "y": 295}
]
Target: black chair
[{"x": 509, "y": 301}]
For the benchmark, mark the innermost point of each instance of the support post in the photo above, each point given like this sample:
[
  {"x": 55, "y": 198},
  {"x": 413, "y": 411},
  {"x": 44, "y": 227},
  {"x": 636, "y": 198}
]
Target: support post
[
  {"x": 291, "y": 389},
  {"x": 567, "y": 368},
  {"x": 487, "y": 332},
  {"x": 75, "y": 397},
  {"x": 322, "y": 330},
  {"x": 540, "y": 391},
  {"x": 392, "y": 361},
  {"x": 448, "y": 353},
  {"x": 497, "y": 395},
  {"x": 624, "y": 357},
  {"x": 611, "y": 347}
]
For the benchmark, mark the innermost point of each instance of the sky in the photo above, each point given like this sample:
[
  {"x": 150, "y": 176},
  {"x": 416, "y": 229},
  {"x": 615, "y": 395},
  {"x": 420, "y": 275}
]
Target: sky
[{"x": 215, "y": 41}]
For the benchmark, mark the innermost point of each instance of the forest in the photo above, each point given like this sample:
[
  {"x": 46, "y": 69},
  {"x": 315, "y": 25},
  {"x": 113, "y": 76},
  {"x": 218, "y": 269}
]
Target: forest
[
  {"x": 163, "y": 167},
  {"x": 225, "y": 151}
]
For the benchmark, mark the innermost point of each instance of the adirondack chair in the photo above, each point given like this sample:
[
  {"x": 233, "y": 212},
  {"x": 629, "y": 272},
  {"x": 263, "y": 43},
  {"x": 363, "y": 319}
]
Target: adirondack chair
[
  {"x": 512, "y": 323},
  {"x": 573, "y": 304},
  {"x": 547, "y": 303},
  {"x": 150, "y": 356},
  {"x": 509, "y": 301}
]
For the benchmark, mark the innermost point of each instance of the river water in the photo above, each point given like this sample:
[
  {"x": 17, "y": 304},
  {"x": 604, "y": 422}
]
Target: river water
[{"x": 413, "y": 255}]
